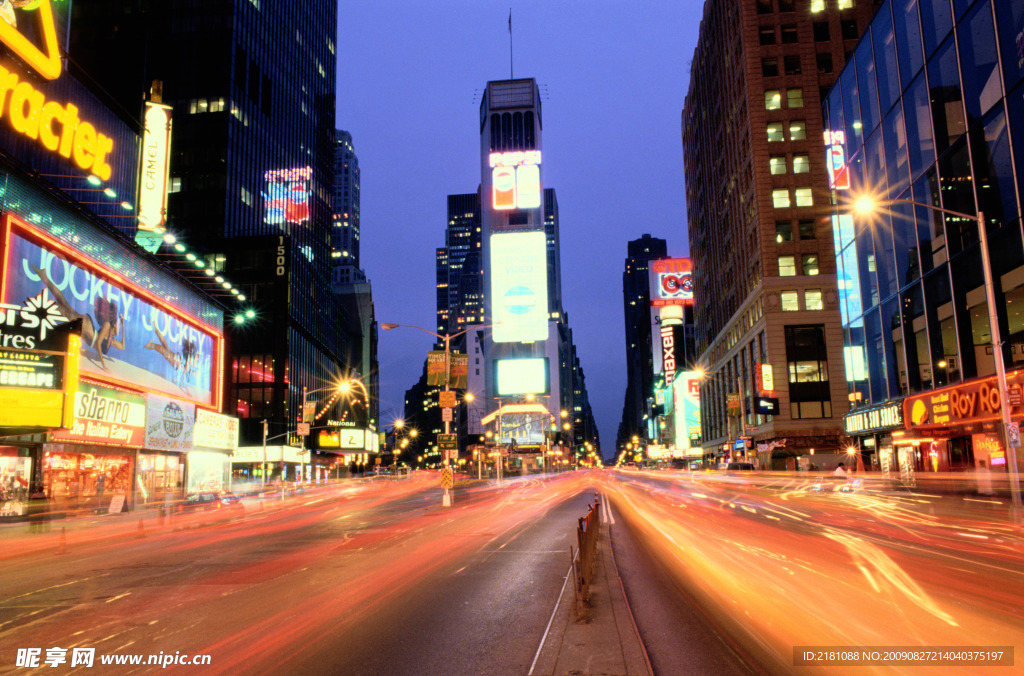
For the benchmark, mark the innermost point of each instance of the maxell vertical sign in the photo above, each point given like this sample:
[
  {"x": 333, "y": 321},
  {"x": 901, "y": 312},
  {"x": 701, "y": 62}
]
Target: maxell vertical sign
[{"x": 668, "y": 353}]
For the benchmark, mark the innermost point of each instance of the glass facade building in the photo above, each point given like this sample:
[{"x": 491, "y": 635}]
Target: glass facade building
[{"x": 929, "y": 110}]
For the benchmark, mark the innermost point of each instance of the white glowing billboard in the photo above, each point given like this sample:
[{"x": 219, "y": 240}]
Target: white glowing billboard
[
  {"x": 156, "y": 164},
  {"x": 515, "y": 180},
  {"x": 519, "y": 286},
  {"x": 521, "y": 376}
]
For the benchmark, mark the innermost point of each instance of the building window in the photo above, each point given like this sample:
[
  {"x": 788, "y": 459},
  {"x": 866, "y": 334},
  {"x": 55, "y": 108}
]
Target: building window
[
  {"x": 777, "y": 164},
  {"x": 780, "y": 198},
  {"x": 787, "y": 266},
  {"x": 809, "y": 264},
  {"x": 849, "y": 29},
  {"x": 807, "y": 229},
  {"x": 804, "y": 197},
  {"x": 769, "y": 67},
  {"x": 790, "y": 301},
  {"x": 792, "y": 64},
  {"x": 821, "y": 31},
  {"x": 817, "y": 6},
  {"x": 783, "y": 231},
  {"x": 787, "y": 6},
  {"x": 801, "y": 164},
  {"x": 773, "y": 99},
  {"x": 797, "y": 130},
  {"x": 775, "y": 132},
  {"x": 844, "y": 4},
  {"x": 246, "y": 197},
  {"x": 764, "y": 6},
  {"x": 824, "y": 60},
  {"x": 766, "y": 35},
  {"x": 789, "y": 35},
  {"x": 174, "y": 185},
  {"x": 812, "y": 300},
  {"x": 807, "y": 359},
  {"x": 795, "y": 97}
]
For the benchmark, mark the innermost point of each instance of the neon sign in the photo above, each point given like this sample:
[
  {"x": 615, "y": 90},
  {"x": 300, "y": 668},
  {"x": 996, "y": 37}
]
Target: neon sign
[
  {"x": 838, "y": 176},
  {"x": 156, "y": 164},
  {"x": 515, "y": 158},
  {"x": 48, "y": 64},
  {"x": 515, "y": 179}
]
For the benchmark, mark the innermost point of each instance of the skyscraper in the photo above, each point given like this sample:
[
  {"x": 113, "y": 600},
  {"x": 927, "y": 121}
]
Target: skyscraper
[
  {"x": 251, "y": 174},
  {"x": 345, "y": 227},
  {"x": 764, "y": 268}
]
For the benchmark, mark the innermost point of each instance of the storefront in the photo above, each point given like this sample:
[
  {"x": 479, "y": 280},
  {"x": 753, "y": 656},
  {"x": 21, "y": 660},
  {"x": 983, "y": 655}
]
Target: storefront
[
  {"x": 169, "y": 429},
  {"x": 871, "y": 433},
  {"x": 215, "y": 438},
  {"x": 256, "y": 465}
]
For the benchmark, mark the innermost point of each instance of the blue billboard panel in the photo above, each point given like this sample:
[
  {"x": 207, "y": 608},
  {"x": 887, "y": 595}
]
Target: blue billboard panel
[{"x": 129, "y": 337}]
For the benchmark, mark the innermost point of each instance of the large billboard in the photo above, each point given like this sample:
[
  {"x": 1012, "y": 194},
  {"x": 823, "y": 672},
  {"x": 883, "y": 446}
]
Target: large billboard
[
  {"x": 686, "y": 401},
  {"x": 130, "y": 337},
  {"x": 287, "y": 196},
  {"x": 515, "y": 180},
  {"x": 525, "y": 429},
  {"x": 671, "y": 282},
  {"x": 519, "y": 286},
  {"x": 521, "y": 376}
]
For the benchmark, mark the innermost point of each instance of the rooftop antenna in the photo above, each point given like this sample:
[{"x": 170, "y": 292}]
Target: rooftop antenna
[{"x": 511, "y": 74}]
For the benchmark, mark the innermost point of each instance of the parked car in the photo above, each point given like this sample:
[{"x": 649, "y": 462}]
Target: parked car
[{"x": 208, "y": 501}]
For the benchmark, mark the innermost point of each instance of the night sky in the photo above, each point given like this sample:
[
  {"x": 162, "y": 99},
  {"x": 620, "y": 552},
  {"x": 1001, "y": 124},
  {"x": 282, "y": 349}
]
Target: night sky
[{"x": 613, "y": 76}]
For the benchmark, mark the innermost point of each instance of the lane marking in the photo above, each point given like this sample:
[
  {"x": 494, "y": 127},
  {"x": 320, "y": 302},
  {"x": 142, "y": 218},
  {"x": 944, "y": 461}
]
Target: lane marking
[{"x": 554, "y": 610}]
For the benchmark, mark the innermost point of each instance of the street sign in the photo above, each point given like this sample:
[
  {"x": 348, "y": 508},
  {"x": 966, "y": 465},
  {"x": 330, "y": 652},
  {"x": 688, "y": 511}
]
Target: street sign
[
  {"x": 768, "y": 405},
  {"x": 447, "y": 478},
  {"x": 446, "y": 398},
  {"x": 303, "y": 429},
  {"x": 446, "y": 414},
  {"x": 447, "y": 442},
  {"x": 1013, "y": 434},
  {"x": 1013, "y": 396},
  {"x": 308, "y": 411}
]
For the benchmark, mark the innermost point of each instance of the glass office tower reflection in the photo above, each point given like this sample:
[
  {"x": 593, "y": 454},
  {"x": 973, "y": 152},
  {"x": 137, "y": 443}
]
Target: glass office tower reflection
[{"x": 930, "y": 109}]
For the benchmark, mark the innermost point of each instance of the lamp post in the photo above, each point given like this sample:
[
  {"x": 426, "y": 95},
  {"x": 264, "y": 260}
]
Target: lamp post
[
  {"x": 867, "y": 205},
  {"x": 338, "y": 388},
  {"x": 447, "y": 338}
]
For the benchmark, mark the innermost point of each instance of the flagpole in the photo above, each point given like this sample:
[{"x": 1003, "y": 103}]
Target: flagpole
[{"x": 511, "y": 73}]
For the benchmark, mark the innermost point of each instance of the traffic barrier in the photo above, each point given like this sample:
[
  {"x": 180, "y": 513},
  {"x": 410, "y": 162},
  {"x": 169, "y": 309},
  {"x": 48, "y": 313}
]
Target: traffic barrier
[{"x": 584, "y": 562}]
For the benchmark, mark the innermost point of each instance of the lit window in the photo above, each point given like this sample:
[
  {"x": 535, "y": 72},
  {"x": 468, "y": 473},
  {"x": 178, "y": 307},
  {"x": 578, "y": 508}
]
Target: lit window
[
  {"x": 817, "y": 6},
  {"x": 787, "y": 266},
  {"x": 797, "y": 130},
  {"x": 174, "y": 185},
  {"x": 783, "y": 231},
  {"x": 812, "y": 300},
  {"x": 777, "y": 163},
  {"x": 775, "y": 132},
  {"x": 804, "y": 197},
  {"x": 772, "y": 99},
  {"x": 795, "y": 97},
  {"x": 801, "y": 164},
  {"x": 845, "y": 4},
  {"x": 780, "y": 198},
  {"x": 810, "y": 264},
  {"x": 790, "y": 301},
  {"x": 201, "y": 106}
]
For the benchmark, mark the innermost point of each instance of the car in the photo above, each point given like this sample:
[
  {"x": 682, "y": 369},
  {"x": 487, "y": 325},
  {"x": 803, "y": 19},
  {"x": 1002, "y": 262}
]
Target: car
[
  {"x": 739, "y": 467},
  {"x": 207, "y": 501}
]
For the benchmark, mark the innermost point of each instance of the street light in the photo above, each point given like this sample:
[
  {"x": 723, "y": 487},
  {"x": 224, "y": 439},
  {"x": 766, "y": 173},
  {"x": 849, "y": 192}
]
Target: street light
[
  {"x": 867, "y": 205},
  {"x": 447, "y": 338}
]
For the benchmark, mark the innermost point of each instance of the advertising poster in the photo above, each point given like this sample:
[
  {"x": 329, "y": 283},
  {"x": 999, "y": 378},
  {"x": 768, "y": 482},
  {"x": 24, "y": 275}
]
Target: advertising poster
[
  {"x": 169, "y": 424},
  {"x": 519, "y": 286},
  {"x": 671, "y": 282},
  {"x": 526, "y": 429},
  {"x": 106, "y": 416},
  {"x": 287, "y": 195},
  {"x": 213, "y": 430},
  {"x": 128, "y": 337},
  {"x": 686, "y": 397}
]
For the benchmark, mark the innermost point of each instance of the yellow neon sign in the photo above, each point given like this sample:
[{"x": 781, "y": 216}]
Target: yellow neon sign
[
  {"x": 30, "y": 114},
  {"x": 48, "y": 64}
]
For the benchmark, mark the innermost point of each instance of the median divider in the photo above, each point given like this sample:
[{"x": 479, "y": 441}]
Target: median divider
[{"x": 584, "y": 561}]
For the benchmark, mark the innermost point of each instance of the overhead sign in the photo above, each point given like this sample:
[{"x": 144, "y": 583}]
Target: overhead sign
[
  {"x": 131, "y": 337},
  {"x": 519, "y": 286},
  {"x": 156, "y": 164},
  {"x": 766, "y": 378},
  {"x": 347, "y": 438},
  {"x": 169, "y": 423},
  {"x": 31, "y": 369},
  {"x": 213, "y": 430},
  {"x": 885, "y": 417},
  {"x": 671, "y": 282},
  {"x": 768, "y": 405},
  {"x": 106, "y": 416},
  {"x": 970, "y": 402}
]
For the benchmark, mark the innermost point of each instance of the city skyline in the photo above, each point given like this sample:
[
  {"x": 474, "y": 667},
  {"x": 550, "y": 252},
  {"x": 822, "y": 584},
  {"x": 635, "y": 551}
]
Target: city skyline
[{"x": 610, "y": 78}]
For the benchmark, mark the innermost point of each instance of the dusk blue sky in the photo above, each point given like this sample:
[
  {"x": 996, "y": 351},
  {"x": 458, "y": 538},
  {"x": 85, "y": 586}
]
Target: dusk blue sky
[{"x": 613, "y": 76}]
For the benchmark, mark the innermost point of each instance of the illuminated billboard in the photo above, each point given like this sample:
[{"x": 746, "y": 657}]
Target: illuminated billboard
[
  {"x": 838, "y": 174},
  {"x": 346, "y": 438},
  {"x": 521, "y": 376},
  {"x": 686, "y": 401},
  {"x": 519, "y": 286},
  {"x": 286, "y": 199},
  {"x": 156, "y": 165},
  {"x": 671, "y": 282},
  {"x": 515, "y": 179},
  {"x": 106, "y": 416},
  {"x": 130, "y": 337},
  {"x": 22, "y": 36},
  {"x": 526, "y": 429}
]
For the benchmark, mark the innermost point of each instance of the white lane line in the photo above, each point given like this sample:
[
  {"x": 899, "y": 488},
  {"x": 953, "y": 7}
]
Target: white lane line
[
  {"x": 607, "y": 511},
  {"x": 552, "y": 619}
]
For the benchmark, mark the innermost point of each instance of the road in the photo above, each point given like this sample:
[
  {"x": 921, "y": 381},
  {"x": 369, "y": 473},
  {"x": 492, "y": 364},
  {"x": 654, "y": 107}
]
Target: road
[{"x": 724, "y": 574}]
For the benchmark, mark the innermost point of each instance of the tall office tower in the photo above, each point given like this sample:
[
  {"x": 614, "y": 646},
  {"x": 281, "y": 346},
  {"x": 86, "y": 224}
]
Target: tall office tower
[
  {"x": 251, "y": 88},
  {"x": 764, "y": 266},
  {"x": 636, "y": 302},
  {"x": 554, "y": 253},
  {"x": 345, "y": 227},
  {"x": 459, "y": 284}
]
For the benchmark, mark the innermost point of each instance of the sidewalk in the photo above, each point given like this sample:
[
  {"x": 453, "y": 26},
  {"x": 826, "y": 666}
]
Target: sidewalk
[{"x": 606, "y": 641}]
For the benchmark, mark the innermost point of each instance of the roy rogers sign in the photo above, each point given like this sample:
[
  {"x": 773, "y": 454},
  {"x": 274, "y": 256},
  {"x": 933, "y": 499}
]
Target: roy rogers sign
[{"x": 971, "y": 402}]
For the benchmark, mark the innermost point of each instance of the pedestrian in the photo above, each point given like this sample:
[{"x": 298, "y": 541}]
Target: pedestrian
[{"x": 840, "y": 471}]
